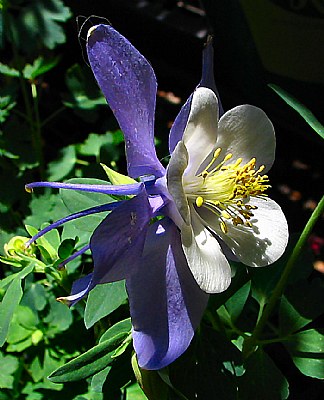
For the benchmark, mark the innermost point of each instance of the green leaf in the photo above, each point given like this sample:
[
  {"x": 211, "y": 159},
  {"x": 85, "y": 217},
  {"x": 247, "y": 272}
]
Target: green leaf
[
  {"x": 46, "y": 207},
  {"x": 37, "y": 23},
  {"x": 8, "y": 365},
  {"x": 27, "y": 317},
  {"x": 201, "y": 373},
  {"x": 8, "y": 71},
  {"x": 134, "y": 392},
  {"x": 124, "y": 327},
  {"x": 77, "y": 201},
  {"x": 65, "y": 163},
  {"x": 93, "y": 144},
  {"x": 265, "y": 279},
  {"x": 66, "y": 248},
  {"x": 301, "y": 304},
  {"x": 10, "y": 302},
  {"x": 84, "y": 95},
  {"x": 235, "y": 304},
  {"x": 98, "y": 380},
  {"x": 35, "y": 297},
  {"x": 103, "y": 300},
  {"x": 18, "y": 347},
  {"x": 307, "y": 352},
  {"x": 290, "y": 319},
  {"x": 262, "y": 379},
  {"x": 36, "y": 369},
  {"x": 39, "y": 67},
  {"x": 302, "y": 110},
  {"x": 89, "y": 363},
  {"x": 59, "y": 317},
  {"x": 23, "y": 324},
  {"x": 52, "y": 361},
  {"x": 116, "y": 178}
]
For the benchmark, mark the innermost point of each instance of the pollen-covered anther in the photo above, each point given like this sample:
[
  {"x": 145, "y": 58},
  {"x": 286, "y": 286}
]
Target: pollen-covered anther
[
  {"x": 238, "y": 221},
  {"x": 223, "y": 227},
  {"x": 225, "y": 215},
  {"x": 199, "y": 201},
  {"x": 225, "y": 188}
]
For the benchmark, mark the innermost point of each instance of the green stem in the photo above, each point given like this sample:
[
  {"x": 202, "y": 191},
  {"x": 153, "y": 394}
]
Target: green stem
[
  {"x": 34, "y": 125},
  {"x": 52, "y": 116},
  {"x": 37, "y": 133},
  {"x": 251, "y": 342}
]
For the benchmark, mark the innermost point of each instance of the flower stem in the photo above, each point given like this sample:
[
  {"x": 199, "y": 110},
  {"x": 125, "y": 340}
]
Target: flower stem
[
  {"x": 251, "y": 342},
  {"x": 37, "y": 134},
  {"x": 52, "y": 116}
]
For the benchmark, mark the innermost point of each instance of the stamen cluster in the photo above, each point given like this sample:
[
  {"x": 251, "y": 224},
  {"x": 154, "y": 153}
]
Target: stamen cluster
[{"x": 225, "y": 189}]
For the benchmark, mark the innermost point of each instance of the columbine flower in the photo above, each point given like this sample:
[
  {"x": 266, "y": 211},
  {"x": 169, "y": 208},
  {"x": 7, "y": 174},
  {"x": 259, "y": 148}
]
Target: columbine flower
[{"x": 212, "y": 197}]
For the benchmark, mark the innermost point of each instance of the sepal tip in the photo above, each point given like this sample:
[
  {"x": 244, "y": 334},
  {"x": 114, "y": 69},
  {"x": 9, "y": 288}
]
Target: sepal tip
[{"x": 91, "y": 30}]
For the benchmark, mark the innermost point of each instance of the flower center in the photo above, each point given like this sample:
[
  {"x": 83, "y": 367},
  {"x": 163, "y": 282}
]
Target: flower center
[{"x": 226, "y": 189}]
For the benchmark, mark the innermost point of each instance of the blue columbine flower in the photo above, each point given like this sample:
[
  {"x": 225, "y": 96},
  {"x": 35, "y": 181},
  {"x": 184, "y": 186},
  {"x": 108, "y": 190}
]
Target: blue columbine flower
[{"x": 211, "y": 196}]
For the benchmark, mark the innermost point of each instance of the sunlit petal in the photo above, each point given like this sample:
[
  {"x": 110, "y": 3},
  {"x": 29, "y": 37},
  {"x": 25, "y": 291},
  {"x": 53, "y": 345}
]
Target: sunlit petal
[
  {"x": 128, "y": 82},
  {"x": 205, "y": 258}
]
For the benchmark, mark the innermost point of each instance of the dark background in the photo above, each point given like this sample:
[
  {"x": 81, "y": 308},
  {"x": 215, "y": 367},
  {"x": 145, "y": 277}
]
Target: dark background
[{"x": 171, "y": 35}]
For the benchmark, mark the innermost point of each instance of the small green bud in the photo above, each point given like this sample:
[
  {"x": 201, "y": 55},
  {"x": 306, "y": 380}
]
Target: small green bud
[
  {"x": 37, "y": 336},
  {"x": 17, "y": 245}
]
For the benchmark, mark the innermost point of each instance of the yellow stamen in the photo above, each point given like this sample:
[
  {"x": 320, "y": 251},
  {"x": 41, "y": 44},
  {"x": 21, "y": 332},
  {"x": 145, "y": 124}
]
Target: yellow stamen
[
  {"x": 225, "y": 214},
  {"x": 226, "y": 189},
  {"x": 223, "y": 227},
  {"x": 199, "y": 201}
]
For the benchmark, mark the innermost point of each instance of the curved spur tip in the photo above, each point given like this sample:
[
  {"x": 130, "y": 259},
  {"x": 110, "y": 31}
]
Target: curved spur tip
[{"x": 28, "y": 189}]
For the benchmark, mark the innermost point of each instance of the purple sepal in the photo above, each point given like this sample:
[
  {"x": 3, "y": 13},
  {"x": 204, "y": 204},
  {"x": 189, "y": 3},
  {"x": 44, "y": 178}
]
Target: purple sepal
[
  {"x": 179, "y": 125},
  {"x": 117, "y": 243},
  {"x": 207, "y": 80},
  {"x": 128, "y": 82},
  {"x": 166, "y": 303},
  {"x": 80, "y": 288}
]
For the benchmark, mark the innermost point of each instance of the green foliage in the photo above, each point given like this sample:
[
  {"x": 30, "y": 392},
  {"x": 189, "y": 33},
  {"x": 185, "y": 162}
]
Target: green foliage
[
  {"x": 103, "y": 300},
  {"x": 36, "y": 23},
  {"x": 8, "y": 365},
  {"x": 90, "y": 362},
  {"x": 304, "y": 112}
]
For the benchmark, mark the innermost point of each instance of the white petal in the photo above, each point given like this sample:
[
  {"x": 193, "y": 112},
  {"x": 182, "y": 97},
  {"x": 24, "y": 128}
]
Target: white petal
[
  {"x": 260, "y": 245},
  {"x": 247, "y": 132},
  {"x": 200, "y": 134},
  {"x": 205, "y": 258},
  {"x": 177, "y": 165}
]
